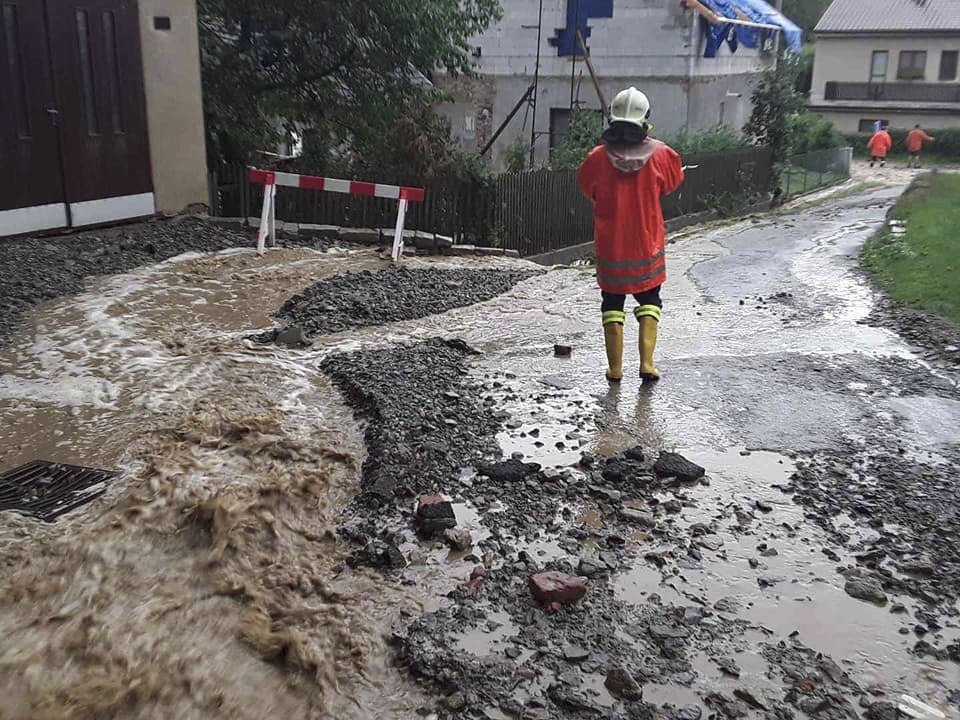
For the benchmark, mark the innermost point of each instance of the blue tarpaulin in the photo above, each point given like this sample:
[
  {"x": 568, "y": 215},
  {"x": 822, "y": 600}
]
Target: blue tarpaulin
[{"x": 756, "y": 11}]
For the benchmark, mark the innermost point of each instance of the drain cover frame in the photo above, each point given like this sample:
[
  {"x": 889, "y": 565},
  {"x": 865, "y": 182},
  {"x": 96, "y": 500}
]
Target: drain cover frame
[{"x": 46, "y": 490}]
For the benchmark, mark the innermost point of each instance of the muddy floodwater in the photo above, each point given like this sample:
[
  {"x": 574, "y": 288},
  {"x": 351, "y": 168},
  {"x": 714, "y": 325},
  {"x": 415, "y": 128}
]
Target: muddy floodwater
[
  {"x": 212, "y": 568},
  {"x": 211, "y": 580}
]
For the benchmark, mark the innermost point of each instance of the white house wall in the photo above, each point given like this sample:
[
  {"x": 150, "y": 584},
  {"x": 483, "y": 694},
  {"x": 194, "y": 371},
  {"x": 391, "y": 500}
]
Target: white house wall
[{"x": 655, "y": 45}]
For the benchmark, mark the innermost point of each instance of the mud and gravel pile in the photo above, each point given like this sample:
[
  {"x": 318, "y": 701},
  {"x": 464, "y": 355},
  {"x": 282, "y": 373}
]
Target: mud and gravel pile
[
  {"x": 424, "y": 421},
  {"x": 494, "y": 648},
  {"x": 363, "y": 299},
  {"x": 564, "y": 664},
  {"x": 937, "y": 338},
  {"x": 912, "y": 507},
  {"x": 35, "y": 270}
]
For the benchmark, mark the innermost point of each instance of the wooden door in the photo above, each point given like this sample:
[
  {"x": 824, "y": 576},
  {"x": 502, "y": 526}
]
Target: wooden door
[
  {"x": 31, "y": 182},
  {"x": 95, "y": 55}
]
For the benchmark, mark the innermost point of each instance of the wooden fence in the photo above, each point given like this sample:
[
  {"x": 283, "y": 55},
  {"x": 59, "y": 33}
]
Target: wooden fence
[{"x": 532, "y": 212}]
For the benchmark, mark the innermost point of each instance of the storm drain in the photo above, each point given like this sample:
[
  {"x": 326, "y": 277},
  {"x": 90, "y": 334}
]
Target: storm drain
[{"x": 46, "y": 490}]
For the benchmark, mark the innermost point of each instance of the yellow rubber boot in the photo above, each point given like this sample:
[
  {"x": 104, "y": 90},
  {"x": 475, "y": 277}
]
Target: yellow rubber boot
[
  {"x": 613, "y": 339},
  {"x": 649, "y": 319}
]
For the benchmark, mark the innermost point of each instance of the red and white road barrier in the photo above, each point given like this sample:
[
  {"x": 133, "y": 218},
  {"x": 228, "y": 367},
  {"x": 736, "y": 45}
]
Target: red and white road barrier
[{"x": 270, "y": 180}]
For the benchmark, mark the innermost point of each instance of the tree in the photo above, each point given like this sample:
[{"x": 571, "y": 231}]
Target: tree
[
  {"x": 775, "y": 102},
  {"x": 805, "y": 13},
  {"x": 350, "y": 72}
]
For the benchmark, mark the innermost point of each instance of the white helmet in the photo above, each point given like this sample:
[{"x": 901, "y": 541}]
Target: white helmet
[{"x": 630, "y": 106}]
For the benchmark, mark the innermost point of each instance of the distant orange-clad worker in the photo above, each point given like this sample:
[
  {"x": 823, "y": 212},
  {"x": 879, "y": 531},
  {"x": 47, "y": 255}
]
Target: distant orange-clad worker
[
  {"x": 915, "y": 140},
  {"x": 624, "y": 178},
  {"x": 879, "y": 146}
]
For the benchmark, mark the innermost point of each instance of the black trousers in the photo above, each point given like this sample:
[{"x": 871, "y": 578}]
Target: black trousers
[{"x": 612, "y": 301}]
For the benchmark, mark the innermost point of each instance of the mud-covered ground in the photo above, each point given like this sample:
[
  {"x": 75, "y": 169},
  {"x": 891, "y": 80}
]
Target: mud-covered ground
[{"x": 349, "y": 529}]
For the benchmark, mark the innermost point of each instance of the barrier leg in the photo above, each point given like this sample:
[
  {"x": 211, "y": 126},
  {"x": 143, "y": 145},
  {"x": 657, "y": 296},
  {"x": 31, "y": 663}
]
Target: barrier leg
[
  {"x": 264, "y": 228},
  {"x": 273, "y": 216},
  {"x": 398, "y": 231}
]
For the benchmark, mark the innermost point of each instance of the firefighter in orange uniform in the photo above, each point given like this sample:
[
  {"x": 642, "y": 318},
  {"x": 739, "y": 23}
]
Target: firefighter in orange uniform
[
  {"x": 915, "y": 140},
  {"x": 624, "y": 178},
  {"x": 879, "y": 146}
]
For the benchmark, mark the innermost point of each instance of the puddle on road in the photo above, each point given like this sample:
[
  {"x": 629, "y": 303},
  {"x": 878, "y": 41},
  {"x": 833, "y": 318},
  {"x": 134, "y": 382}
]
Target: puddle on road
[{"x": 807, "y": 596}]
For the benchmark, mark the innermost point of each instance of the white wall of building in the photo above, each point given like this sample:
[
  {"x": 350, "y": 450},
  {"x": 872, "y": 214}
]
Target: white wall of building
[{"x": 656, "y": 45}]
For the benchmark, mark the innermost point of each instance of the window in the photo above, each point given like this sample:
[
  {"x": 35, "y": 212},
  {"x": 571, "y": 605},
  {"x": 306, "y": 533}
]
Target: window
[
  {"x": 870, "y": 125},
  {"x": 86, "y": 73},
  {"x": 14, "y": 62},
  {"x": 948, "y": 65},
  {"x": 913, "y": 65},
  {"x": 878, "y": 66},
  {"x": 559, "y": 125}
]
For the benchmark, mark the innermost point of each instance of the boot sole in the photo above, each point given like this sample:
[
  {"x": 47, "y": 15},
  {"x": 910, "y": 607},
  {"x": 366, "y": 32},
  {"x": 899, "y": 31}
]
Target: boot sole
[{"x": 649, "y": 378}]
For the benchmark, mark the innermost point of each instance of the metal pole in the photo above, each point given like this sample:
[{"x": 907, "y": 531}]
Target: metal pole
[
  {"x": 503, "y": 125},
  {"x": 573, "y": 63},
  {"x": 536, "y": 87},
  {"x": 593, "y": 76}
]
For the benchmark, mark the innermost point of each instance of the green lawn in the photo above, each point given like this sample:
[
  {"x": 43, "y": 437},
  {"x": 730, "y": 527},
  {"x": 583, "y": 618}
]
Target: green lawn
[{"x": 921, "y": 268}]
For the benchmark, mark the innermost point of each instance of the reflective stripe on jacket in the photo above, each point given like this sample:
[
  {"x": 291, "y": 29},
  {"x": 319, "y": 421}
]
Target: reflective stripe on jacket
[{"x": 629, "y": 233}]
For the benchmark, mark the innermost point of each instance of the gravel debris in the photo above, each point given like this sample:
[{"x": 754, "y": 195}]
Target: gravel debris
[{"x": 367, "y": 298}]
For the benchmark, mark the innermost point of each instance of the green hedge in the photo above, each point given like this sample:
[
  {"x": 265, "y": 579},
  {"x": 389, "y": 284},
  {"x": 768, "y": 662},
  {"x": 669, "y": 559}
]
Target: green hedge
[
  {"x": 946, "y": 145},
  {"x": 809, "y": 132}
]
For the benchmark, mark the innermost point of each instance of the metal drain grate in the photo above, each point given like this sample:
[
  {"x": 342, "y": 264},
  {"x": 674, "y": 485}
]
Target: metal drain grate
[{"x": 46, "y": 490}]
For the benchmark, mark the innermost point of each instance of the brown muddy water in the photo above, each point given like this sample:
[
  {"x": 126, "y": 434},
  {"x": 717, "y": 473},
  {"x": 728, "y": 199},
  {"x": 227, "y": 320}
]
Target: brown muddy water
[{"x": 216, "y": 549}]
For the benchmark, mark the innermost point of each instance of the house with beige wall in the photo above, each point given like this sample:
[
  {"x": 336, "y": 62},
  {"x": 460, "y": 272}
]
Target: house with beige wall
[
  {"x": 893, "y": 61},
  {"x": 101, "y": 118}
]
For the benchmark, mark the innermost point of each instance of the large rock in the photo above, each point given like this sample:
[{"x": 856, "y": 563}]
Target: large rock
[
  {"x": 638, "y": 517},
  {"x": 866, "y": 589},
  {"x": 557, "y": 587},
  {"x": 434, "y": 514},
  {"x": 458, "y": 538},
  {"x": 675, "y": 465},
  {"x": 509, "y": 471},
  {"x": 622, "y": 684},
  {"x": 292, "y": 337}
]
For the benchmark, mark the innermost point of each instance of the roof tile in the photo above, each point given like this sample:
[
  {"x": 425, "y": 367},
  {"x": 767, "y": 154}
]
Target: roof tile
[{"x": 890, "y": 16}]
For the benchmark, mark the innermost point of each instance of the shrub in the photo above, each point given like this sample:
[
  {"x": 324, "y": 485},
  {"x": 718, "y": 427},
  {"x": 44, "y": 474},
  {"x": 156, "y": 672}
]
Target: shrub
[
  {"x": 581, "y": 138},
  {"x": 809, "y": 132},
  {"x": 517, "y": 155},
  {"x": 708, "y": 141}
]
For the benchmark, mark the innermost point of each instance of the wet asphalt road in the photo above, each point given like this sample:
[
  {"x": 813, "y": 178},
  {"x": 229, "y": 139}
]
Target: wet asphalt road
[
  {"x": 767, "y": 357},
  {"x": 763, "y": 342}
]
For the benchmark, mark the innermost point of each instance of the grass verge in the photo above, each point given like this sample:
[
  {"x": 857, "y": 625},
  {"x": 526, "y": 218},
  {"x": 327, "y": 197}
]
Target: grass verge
[{"x": 921, "y": 267}]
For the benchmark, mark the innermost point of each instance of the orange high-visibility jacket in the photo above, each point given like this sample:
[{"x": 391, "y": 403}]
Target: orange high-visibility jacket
[
  {"x": 915, "y": 140},
  {"x": 880, "y": 144},
  {"x": 629, "y": 232}
]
